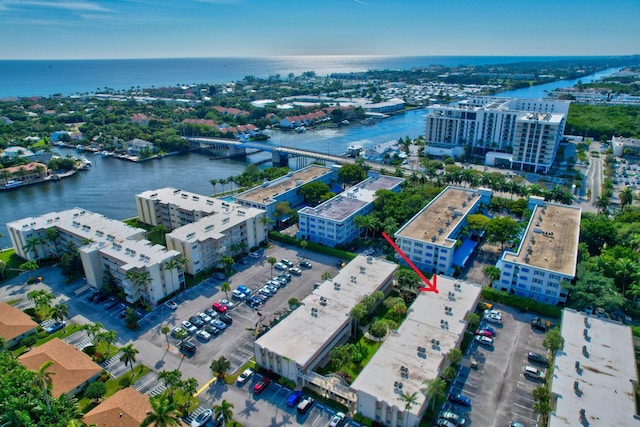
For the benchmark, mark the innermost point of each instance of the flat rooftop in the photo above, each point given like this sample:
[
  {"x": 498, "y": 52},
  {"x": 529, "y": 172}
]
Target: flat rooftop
[
  {"x": 433, "y": 327},
  {"x": 353, "y": 199},
  {"x": 551, "y": 239},
  {"x": 605, "y": 377},
  {"x": 134, "y": 254},
  {"x": 303, "y": 334},
  {"x": 215, "y": 225},
  {"x": 271, "y": 189},
  {"x": 81, "y": 223},
  {"x": 436, "y": 221},
  {"x": 186, "y": 200},
  {"x": 542, "y": 117}
]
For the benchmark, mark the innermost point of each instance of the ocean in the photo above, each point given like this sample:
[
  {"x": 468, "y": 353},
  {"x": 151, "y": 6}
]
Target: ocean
[{"x": 25, "y": 78}]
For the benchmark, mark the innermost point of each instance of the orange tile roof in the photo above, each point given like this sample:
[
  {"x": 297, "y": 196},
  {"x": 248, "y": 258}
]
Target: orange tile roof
[
  {"x": 14, "y": 322},
  {"x": 71, "y": 367},
  {"x": 126, "y": 408}
]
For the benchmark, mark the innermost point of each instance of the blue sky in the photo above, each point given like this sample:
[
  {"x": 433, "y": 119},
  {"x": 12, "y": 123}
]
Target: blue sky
[{"x": 87, "y": 29}]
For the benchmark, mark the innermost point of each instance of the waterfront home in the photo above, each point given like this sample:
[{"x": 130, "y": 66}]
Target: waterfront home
[{"x": 137, "y": 145}]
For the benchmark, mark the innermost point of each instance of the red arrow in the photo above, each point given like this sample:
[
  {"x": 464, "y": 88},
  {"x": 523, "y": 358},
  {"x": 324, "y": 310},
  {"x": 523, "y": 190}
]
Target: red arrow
[{"x": 431, "y": 287}]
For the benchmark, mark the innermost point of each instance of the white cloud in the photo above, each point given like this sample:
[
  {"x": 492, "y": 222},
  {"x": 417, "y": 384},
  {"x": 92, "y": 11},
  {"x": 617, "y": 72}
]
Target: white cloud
[{"x": 73, "y": 6}]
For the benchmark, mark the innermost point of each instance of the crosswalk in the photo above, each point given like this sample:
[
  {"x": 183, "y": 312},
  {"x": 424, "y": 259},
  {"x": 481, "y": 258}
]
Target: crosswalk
[{"x": 190, "y": 417}]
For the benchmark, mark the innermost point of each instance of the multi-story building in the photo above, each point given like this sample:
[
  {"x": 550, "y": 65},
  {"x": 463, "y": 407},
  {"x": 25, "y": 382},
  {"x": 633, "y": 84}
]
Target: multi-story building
[
  {"x": 227, "y": 231},
  {"x": 595, "y": 379},
  {"x": 332, "y": 222},
  {"x": 302, "y": 341},
  {"x": 429, "y": 238},
  {"x": 284, "y": 189},
  {"x": 547, "y": 255},
  {"x": 415, "y": 354},
  {"x": 529, "y": 129},
  {"x": 623, "y": 147},
  {"x": 107, "y": 247}
]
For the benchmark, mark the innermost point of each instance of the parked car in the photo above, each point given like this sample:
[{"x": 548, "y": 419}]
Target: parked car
[
  {"x": 483, "y": 340},
  {"x": 305, "y": 264},
  {"x": 196, "y": 321},
  {"x": 286, "y": 276},
  {"x": 442, "y": 422},
  {"x": 236, "y": 294},
  {"x": 226, "y": 319},
  {"x": 305, "y": 405},
  {"x": 294, "y": 398},
  {"x": 494, "y": 313},
  {"x": 218, "y": 275},
  {"x": 490, "y": 329},
  {"x": 244, "y": 376},
  {"x": 212, "y": 329},
  {"x": 254, "y": 255},
  {"x": 280, "y": 266},
  {"x": 542, "y": 325},
  {"x": 537, "y": 358},
  {"x": 188, "y": 326},
  {"x": 211, "y": 313},
  {"x": 205, "y": 317},
  {"x": 454, "y": 418},
  {"x": 178, "y": 332},
  {"x": 111, "y": 302},
  {"x": 459, "y": 399},
  {"x": 227, "y": 303},
  {"x": 493, "y": 318},
  {"x": 171, "y": 305},
  {"x": 188, "y": 348},
  {"x": 246, "y": 291},
  {"x": 533, "y": 373},
  {"x": 295, "y": 271},
  {"x": 484, "y": 332},
  {"x": 337, "y": 420},
  {"x": 266, "y": 292},
  {"x": 261, "y": 385},
  {"x": 220, "y": 308},
  {"x": 287, "y": 262},
  {"x": 54, "y": 327},
  {"x": 254, "y": 302},
  {"x": 203, "y": 335},
  {"x": 219, "y": 324},
  {"x": 202, "y": 418}
]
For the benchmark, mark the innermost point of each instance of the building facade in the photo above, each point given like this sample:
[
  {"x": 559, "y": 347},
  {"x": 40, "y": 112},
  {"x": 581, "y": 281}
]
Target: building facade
[
  {"x": 107, "y": 248},
  {"x": 547, "y": 255},
  {"x": 530, "y": 129},
  {"x": 429, "y": 238},
  {"x": 284, "y": 189},
  {"x": 332, "y": 222}
]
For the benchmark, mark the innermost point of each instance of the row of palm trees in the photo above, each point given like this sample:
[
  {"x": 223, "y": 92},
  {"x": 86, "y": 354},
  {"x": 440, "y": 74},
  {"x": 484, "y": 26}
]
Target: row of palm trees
[{"x": 603, "y": 202}]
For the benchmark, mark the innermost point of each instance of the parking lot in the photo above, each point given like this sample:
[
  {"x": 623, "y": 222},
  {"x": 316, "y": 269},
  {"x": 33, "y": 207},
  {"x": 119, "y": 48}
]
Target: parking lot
[{"x": 498, "y": 390}]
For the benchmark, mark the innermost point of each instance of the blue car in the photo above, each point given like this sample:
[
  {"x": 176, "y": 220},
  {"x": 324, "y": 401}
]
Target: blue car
[
  {"x": 246, "y": 291},
  {"x": 294, "y": 398},
  {"x": 460, "y": 399},
  {"x": 490, "y": 329}
]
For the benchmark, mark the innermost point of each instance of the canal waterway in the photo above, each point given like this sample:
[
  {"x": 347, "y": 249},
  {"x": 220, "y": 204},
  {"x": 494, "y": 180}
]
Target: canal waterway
[{"x": 110, "y": 186}]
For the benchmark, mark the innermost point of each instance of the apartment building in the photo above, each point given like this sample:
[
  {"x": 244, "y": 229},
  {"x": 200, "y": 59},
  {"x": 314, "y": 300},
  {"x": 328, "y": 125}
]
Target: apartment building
[
  {"x": 284, "y": 189},
  {"x": 529, "y": 129},
  {"x": 415, "y": 354},
  {"x": 547, "y": 255},
  {"x": 624, "y": 147},
  {"x": 595, "y": 378},
  {"x": 332, "y": 222},
  {"x": 429, "y": 238},
  {"x": 106, "y": 246},
  {"x": 230, "y": 230}
]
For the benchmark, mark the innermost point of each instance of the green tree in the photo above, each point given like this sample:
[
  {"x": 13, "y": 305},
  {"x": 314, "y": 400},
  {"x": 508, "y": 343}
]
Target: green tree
[
  {"x": 44, "y": 379},
  {"x": 477, "y": 223},
  {"x": 29, "y": 266},
  {"x": 53, "y": 235},
  {"x": 31, "y": 245},
  {"x": 95, "y": 391},
  {"x": 225, "y": 287},
  {"x": 454, "y": 356},
  {"x": 350, "y": 174},
  {"x": 473, "y": 320},
  {"x": 358, "y": 313},
  {"x": 172, "y": 264},
  {"x": 141, "y": 280},
  {"x": 553, "y": 340},
  {"x": 219, "y": 367},
  {"x": 189, "y": 388},
  {"x": 409, "y": 399},
  {"x": 227, "y": 261},
  {"x": 282, "y": 210},
  {"x": 303, "y": 246},
  {"x": 625, "y": 197},
  {"x": 171, "y": 380},
  {"x": 93, "y": 331},
  {"x": 60, "y": 311},
  {"x": 449, "y": 373},
  {"x": 165, "y": 331},
  {"x": 378, "y": 328},
  {"x": 435, "y": 390},
  {"x": 109, "y": 337},
  {"x": 293, "y": 303},
  {"x": 272, "y": 261},
  {"x": 407, "y": 282},
  {"x": 492, "y": 273},
  {"x": 163, "y": 413},
  {"x": 314, "y": 192},
  {"x": 502, "y": 230},
  {"x": 224, "y": 409},
  {"x": 128, "y": 356}
]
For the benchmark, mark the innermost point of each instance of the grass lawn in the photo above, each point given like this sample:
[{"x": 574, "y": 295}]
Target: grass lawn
[
  {"x": 67, "y": 330},
  {"x": 12, "y": 261}
]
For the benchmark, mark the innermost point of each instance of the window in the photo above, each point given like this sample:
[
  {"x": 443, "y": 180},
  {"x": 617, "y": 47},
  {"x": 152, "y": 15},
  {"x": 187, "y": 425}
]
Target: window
[{"x": 525, "y": 270}]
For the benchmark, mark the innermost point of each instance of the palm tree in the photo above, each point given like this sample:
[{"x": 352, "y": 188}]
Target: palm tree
[
  {"x": 171, "y": 380},
  {"x": 165, "y": 331},
  {"x": 219, "y": 367},
  {"x": 42, "y": 379},
  {"x": 172, "y": 264},
  {"x": 225, "y": 287},
  {"x": 60, "y": 311},
  {"x": 266, "y": 222},
  {"x": 272, "y": 261},
  {"x": 53, "y": 235},
  {"x": 31, "y": 245},
  {"x": 626, "y": 271},
  {"x": 213, "y": 182},
  {"x": 435, "y": 389},
  {"x": 224, "y": 409},
  {"x": 626, "y": 197},
  {"x": 93, "y": 330},
  {"x": 602, "y": 203},
  {"x": 409, "y": 399},
  {"x": 163, "y": 413},
  {"x": 189, "y": 387},
  {"x": 108, "y": 337},
  {"x": 227, "y": 261},
  {"x": 128, "y": 356},
  {"x": 141, "y": 279},
  {"x": 303, "y": 246}
]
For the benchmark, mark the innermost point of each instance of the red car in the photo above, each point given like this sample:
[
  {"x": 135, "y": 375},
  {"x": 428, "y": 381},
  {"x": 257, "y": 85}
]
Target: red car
[
  {"x": 261, "y": 385},
  {"x": 485, "y": 333},
  {"x": 219, "y": 307}
]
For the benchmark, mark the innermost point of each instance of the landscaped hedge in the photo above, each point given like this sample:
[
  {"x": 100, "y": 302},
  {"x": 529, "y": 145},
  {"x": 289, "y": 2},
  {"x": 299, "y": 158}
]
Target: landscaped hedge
[
  {"x": 288, "y": 240},
  {"x": 521, "y": 303}
]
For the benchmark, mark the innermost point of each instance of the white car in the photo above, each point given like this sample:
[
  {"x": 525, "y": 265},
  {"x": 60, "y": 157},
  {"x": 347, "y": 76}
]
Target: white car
[
  {"x": 238, "y": 295},
  {"x": 482, "y": 340},
  {"x": 202, "y": 418},
  {"x": 492, "y": 318},
  {"x": 228, "y": 303},
  {"x": 280, "y": 266},
  {"x": 205, "y": 317},
  {"x": 337, "y": 420},
  {"x": 254, "y": 255},
  {"x": 203, "y": 335},
  {"x": 189, "y": 327},
  {"x": 244, "y": 376},
  {"x": 171, "y": 305}
]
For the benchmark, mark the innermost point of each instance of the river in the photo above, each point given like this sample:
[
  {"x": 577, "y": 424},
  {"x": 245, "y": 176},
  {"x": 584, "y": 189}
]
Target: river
[{"x": 110, "y": 186}]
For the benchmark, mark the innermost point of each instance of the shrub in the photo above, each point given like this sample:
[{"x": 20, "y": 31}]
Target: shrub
[
  {"x": 95, "y": 391},
  {"x": 522, "y": 303},
  {"x": 90, "y": 350},
  {"x": 286, "y": 382}
]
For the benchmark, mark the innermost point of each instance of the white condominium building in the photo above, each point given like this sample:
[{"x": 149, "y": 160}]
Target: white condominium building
[
  {"x": 529, "y": 129},
  {"x": 547, "y": 254},
  {"x": 227, "y": 231},
  {"x": 105, "y": 245},
  {"x": 284, "y": 189},
  {"x": 331, "y": 223},
  {"x": 429, "y": 238}
]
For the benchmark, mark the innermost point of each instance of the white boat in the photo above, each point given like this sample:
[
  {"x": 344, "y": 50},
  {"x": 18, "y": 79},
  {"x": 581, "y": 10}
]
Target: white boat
[
  {"x": 301, "y": 129},
  {"x": 12, "y": 183}
]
